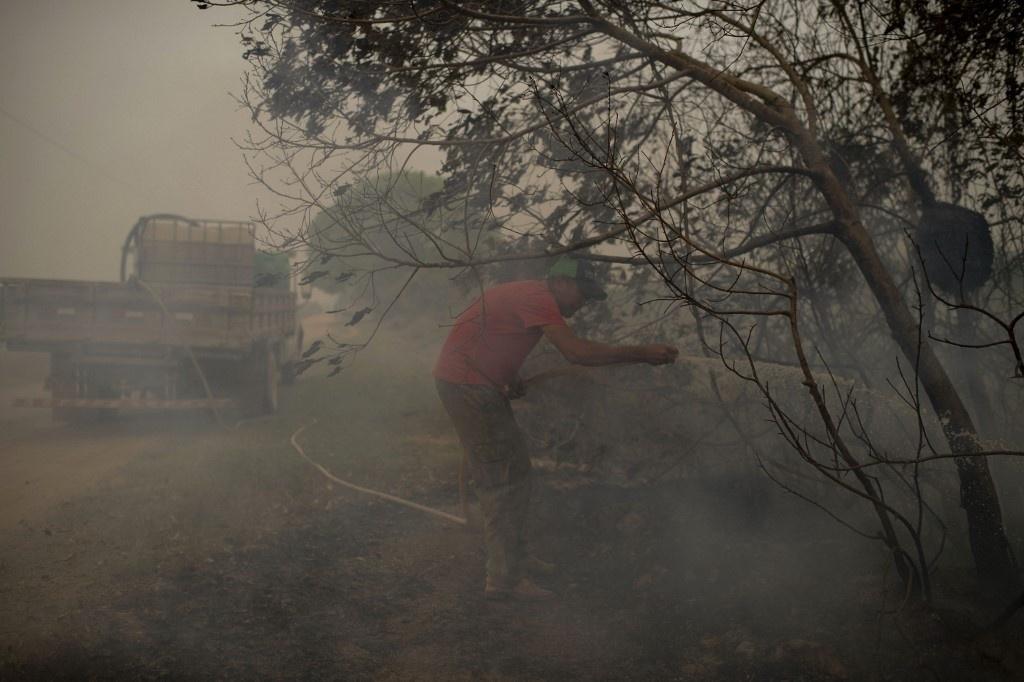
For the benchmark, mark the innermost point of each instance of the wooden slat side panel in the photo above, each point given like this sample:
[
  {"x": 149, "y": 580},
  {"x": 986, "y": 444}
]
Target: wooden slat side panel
[
  {"x": 40, "y": 313},
  {"x": 273, "y": 313},
  {"x": 50, "y": 311},
  {"x": 197, "y": 252}
]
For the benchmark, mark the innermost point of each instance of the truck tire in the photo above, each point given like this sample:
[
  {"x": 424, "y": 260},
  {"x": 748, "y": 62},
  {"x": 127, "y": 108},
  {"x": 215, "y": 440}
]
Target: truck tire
[
  {"x": 271, "y": 379},
  {"x": 62, "y": 385},
  {"x": 261, "y": 385}
]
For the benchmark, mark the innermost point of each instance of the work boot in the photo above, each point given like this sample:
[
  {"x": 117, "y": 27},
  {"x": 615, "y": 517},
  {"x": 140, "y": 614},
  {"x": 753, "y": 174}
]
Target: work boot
[
  {"x": 537, "y": 566},
  {"x": 527, "y": 590},
  {"x": 495, "y": 589}
]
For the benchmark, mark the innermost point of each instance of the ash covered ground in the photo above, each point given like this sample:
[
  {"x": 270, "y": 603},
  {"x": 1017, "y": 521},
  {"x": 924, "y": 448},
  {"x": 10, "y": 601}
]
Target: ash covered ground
[{"x": 170, "y": 547}]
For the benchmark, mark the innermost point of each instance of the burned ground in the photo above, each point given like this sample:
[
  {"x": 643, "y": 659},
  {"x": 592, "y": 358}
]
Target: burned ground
[{"x": 195, "y": 551}]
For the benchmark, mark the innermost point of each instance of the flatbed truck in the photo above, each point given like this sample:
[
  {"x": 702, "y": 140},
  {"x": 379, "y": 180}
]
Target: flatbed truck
[{"x": 193, "y": 323}]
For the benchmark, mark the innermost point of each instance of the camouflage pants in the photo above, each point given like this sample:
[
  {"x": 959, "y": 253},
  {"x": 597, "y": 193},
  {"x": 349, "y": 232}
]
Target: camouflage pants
[{"x": 500, "y": 466}]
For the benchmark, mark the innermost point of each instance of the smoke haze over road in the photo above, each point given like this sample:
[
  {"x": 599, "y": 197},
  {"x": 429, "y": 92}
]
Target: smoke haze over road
[{"x": 111, "y": 110}]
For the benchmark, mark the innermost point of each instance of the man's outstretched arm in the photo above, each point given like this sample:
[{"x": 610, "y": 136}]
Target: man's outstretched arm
[{"x": 591, "y": 353}]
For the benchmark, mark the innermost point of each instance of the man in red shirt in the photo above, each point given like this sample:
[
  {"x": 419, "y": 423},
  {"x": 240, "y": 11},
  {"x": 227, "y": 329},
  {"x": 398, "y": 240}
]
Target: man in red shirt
[{"x": 476, "y": 375}]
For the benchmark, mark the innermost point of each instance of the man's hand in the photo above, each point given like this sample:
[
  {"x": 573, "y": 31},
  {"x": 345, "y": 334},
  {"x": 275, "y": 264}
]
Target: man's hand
[
  {"x": 659, "y": 354},
  {"x": 517, "y": 389}
]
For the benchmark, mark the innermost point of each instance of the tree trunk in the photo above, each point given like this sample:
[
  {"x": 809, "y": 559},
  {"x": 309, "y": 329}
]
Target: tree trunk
[
  {"x": 993, "y": 557},
  {"x": 991, "y": 548}
]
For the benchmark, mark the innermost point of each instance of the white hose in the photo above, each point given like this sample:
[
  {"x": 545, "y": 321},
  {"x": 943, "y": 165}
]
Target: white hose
[
  {"x": 542, "y": 376},
  {"x": 376, "y": 493}
]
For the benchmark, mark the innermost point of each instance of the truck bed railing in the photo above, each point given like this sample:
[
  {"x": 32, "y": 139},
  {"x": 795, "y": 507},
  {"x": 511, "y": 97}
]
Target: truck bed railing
[{"x": 41, "y": 314}]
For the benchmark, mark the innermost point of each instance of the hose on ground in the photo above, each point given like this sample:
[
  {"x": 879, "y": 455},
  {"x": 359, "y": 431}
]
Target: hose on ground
[
  {"x": 369, "y": 491},
  {"x": 463, "y": 502}
]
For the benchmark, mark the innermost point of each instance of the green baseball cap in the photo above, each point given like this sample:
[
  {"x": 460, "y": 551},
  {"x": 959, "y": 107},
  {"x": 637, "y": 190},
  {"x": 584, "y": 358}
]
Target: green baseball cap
[{"x": 582, "y": 272}]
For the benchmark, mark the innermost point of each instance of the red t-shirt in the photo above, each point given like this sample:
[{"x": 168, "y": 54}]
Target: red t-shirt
[{"x": 490, "y": 341}]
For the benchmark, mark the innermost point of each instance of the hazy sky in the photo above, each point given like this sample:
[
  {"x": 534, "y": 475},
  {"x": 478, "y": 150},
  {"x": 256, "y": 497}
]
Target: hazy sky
[{"x": 111, "y": 109}]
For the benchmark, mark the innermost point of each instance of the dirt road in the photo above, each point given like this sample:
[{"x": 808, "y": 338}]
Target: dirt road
[
  {"x": 156, "y": 546},
  {"x": 169, "y": 547}
]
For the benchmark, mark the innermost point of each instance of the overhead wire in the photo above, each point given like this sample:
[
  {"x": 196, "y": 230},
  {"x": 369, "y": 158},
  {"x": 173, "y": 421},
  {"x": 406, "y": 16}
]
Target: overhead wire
[{"x": 69, "y": 151}]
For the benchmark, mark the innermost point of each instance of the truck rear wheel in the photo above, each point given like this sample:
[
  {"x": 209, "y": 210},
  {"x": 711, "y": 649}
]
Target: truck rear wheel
[
  {"x": 261, "y": 387},
  {"x": 62, "y": 385},
  {"x": 271, "y": 379}
]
